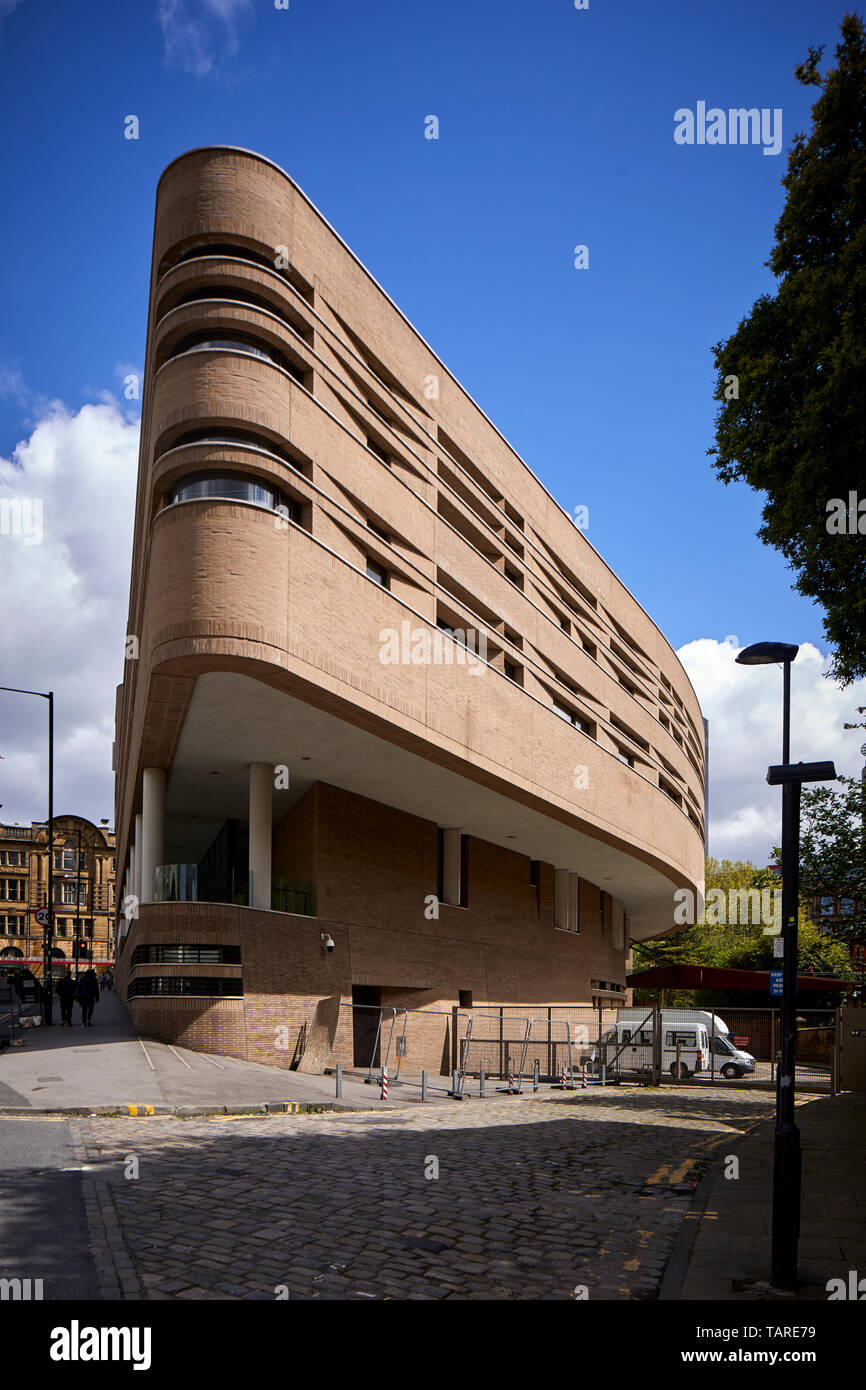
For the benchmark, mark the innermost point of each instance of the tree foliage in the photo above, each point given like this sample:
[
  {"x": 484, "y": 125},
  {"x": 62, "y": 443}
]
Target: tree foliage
[{"x": 796, "y": 429}]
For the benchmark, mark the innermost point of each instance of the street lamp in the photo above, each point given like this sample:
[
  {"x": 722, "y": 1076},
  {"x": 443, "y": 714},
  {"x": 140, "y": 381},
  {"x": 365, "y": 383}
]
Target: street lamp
[
  {"x": 786, "y": 1153},
  {"x": 47, "y": 929}
]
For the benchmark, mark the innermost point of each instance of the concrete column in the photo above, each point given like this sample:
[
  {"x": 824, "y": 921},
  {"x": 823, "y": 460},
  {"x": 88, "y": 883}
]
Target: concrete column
[
  {"x": 573, "y": 902},
  {"x": 151, "y": 850},
  {"x": 137, "y": 842},
  {"x": 560, "y": 898},
  {"x": 261, "y": 814},
  {"x": 451, "y": 866}
]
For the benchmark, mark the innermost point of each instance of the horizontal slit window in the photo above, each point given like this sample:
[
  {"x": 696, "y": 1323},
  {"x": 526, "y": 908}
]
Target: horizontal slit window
[
  {"x": 235, "y": 487},
  {"x": 185, "y": 953},
  {"x": 184, "y": 986}
]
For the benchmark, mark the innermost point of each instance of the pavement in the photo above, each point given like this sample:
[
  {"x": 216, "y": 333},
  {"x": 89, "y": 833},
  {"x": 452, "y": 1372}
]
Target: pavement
[
  {"x": 723, "y": 1249},
  {"x": 108, "y": 1067}
]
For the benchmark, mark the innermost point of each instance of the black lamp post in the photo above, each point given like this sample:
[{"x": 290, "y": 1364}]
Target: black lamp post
[
  {"x": 786, "y": 1154},
  {"x": 48, "y": 928}
]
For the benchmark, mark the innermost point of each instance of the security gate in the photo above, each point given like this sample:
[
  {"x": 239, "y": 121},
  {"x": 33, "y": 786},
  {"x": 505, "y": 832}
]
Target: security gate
[{"x": 851, "y": 1045}]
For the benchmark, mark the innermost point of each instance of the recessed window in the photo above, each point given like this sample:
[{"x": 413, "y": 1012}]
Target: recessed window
[
  {"x": 227, "y": 486},
  {"x": 625, "y": 757},
  {"x": 377, "y": 531},
  {"x": 827, "y": 907},
  {"x": 513, "y": 672},
  {"x": 846, "y": 906},
  {"x": 514, "y": 577},
  {"x": 565, "y": 712},
  {"x": 588, "y": 647},
  {"x": 227, "y": 345},
  {"x": 377, "y": 573},
  {"x": 376, "y": 448}
]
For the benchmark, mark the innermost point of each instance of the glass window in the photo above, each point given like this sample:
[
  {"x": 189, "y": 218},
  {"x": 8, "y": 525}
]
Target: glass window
[
  {"x": 226, "y": 486},
  {"x": 377, "y": 573},
  {"x": 827, "y": 907},
  {"x": 846, "y": 906},
  {"x": 230, "y": 345}
]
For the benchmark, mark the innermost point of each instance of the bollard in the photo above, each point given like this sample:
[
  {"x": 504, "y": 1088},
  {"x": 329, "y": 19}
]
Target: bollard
[
  {"x": 339, "y": 1079},
  {"x": 563, "y": 1076},
  {"x": 423, "y": 1085},
  {"x": 583, "y": 1082},
  {"x": 384, "y": 1083},
  {"x": 535, "y": 1075},
  {"x": 455, "y": 1085},
  {"x": 481, "y": 1082},
  {"x": 511, "y": 1083}
]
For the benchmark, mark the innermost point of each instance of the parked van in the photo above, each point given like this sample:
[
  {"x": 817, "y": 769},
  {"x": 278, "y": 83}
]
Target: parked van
[
  {"x": 628, "y": 1046},
  {"x": 703, "y": 1038}
]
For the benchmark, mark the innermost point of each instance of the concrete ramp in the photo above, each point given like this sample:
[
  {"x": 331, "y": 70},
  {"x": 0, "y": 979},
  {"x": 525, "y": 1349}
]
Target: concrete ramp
[{"x": 320, "y": 1043}]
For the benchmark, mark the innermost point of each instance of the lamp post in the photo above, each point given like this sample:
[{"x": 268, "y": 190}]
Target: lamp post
[
  {"x": 786, "y": 1153},
  {"x": 47, "y": 930}
]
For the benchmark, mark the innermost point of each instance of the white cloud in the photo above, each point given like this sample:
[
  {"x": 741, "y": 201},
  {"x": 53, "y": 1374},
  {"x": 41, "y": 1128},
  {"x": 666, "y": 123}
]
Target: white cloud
[
  {"x": 192, "y": 33},
  {"x": 65, "y": 607},
  {"x": 744, "y": 707}
]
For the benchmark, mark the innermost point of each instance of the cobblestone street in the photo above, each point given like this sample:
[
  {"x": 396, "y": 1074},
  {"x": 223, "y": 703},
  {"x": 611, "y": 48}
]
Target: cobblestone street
[{"x": 533, "y": 1198}]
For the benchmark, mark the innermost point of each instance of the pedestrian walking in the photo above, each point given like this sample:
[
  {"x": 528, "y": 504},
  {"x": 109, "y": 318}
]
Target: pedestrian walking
[
  {"x": 66, "y": 992},
  {"x": 87, "y": 995}
]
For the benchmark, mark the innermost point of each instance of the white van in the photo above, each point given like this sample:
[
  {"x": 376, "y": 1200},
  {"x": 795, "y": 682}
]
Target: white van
[
  {"x": 628, "y": 1046},
  {"x": 704, "y": 1042}
]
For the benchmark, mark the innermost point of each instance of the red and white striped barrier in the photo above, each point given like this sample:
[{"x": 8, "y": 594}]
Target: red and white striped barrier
[
  {"x": 384, "y": 1083},
  {"x": 563, "y": 1076},
  {"x": 511, "y": 1083},
  {"x": 583, "y": 1082}
]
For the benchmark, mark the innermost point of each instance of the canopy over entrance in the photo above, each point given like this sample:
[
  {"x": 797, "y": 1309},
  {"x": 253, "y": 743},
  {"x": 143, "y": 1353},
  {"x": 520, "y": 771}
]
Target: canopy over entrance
[{"x": 716, "y": 977}]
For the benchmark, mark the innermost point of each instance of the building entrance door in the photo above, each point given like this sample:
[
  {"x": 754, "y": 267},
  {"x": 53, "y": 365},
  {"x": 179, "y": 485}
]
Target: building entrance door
[{"x": 366, "y": 1046}]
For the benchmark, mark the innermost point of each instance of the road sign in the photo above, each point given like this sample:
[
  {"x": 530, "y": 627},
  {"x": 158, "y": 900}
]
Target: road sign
[
  {"x": 43, "y": 917},
  {"x": 775, "y": 982},
  {"x": 778, "y": 946}
]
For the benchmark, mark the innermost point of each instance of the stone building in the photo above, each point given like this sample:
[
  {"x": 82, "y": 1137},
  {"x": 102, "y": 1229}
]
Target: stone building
[{"x": 84, "y": 904}]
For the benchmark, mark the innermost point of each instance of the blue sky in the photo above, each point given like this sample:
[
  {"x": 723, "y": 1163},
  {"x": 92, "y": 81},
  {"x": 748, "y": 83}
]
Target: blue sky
[{"x": 556, "y": 129}]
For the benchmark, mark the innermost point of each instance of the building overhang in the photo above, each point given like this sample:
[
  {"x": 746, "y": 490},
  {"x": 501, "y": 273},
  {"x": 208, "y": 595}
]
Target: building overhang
[{"x": 233, "y": 720}]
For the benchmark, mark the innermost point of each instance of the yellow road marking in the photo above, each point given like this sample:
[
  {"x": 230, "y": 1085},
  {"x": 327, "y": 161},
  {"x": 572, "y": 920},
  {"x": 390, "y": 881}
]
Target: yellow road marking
[
  {"x": 662, "y": 1173},
  {"x": 680, "y": 1172}
]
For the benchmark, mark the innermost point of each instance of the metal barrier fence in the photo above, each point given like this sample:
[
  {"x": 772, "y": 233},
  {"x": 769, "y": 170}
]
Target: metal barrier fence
[{"x": 576, "y": 1046}]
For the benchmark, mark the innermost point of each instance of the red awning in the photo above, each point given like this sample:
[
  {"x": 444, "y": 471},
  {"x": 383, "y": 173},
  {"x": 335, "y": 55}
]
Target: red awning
[{"x": 716, "y": 977}]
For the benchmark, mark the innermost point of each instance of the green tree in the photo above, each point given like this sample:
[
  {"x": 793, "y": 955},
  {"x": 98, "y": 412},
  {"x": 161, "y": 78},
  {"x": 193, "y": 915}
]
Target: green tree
[
  {"x": 833, "y": 852},
  {"x": 794, "y": 426}
]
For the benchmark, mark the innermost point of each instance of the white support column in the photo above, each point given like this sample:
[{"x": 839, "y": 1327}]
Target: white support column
[
  {"x": 560, "y": 898},
  {"x": 151, "y": 851},
  {"x": 573, "y": 902},
  {"x": 451, "y": 866},
  {"x": 138, "y": 841},
  {"x": 261, "y": 815}
]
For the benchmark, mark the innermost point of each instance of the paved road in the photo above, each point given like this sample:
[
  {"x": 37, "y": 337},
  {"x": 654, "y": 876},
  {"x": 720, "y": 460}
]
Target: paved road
[
  {"x": 44, "y": 1232},
  {"x": 532, "y": 1200}
]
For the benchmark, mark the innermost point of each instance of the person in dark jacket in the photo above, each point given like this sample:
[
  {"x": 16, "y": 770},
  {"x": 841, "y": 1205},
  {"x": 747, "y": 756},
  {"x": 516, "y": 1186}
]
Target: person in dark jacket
[
  {"x": 88, "y": 993},
  {"x": 66, "y": 990}
]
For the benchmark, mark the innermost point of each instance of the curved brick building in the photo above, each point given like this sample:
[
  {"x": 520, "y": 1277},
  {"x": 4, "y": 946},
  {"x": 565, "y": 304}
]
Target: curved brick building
[{"x": 381, "y": 689}]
